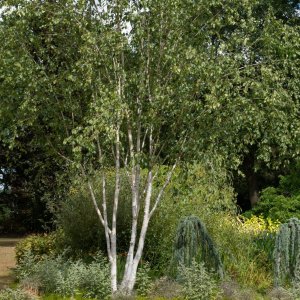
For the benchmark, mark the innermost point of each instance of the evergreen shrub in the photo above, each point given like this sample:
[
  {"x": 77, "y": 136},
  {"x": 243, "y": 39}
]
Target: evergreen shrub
[
  {"x": 287, "y": 252},
  {"x": 193, "y": 242}
]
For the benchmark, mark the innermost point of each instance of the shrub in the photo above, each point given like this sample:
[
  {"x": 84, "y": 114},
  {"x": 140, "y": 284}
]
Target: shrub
[
  {"x": 287, "y": 251},
  {"x": 85, "y": 235},
  {"x": 197, "y": 282},
  {"x": 37, "y": 245},
  {"x": 66, "y": 277},
  {"x": 10, "y": 294},
  {"x": 194, "y": 243},
  {"x": 283, "y": 202},
  {"x": 26, "y": 265},
  {"x": 143, "y": 280}
]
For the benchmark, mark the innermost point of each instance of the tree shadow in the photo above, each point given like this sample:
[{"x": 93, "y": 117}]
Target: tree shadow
[{"x": 9, "y": 242}]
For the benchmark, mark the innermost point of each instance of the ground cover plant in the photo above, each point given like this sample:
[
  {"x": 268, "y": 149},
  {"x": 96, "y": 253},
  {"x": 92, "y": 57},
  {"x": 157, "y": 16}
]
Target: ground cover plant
[{"x": 65, "y": 277}]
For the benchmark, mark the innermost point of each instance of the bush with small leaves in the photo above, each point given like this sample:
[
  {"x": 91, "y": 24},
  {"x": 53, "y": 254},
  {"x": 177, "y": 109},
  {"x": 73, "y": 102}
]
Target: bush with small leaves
[
  {"x": 66, "y": 277},
  {"x": 197, "y": 282},
  {"x": 25, "y": 266},
  {"x": 10, "y": 294},
  {"x": 95, "y": 279},
  {"x": 143, "y": 280}
]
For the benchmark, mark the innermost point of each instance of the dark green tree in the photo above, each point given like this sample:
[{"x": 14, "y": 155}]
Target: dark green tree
[
  {"x": 193, "y": 242},
  {"x": 248, "y": 84}
]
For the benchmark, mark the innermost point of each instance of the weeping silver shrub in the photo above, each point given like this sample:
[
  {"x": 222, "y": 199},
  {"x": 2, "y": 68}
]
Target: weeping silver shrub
[
  {"x": 192, "y": 242},
  {"x": 287, "y": 251}
]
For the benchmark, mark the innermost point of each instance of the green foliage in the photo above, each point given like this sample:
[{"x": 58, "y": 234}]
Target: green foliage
[
  {"x": 246, "y": 247},
  {"x": 86, "y": 234},
  {"x": 58, "y": 297},
  {"x": 283, "y": 202},
  {"x": 10, "y": 294},
  {"x": 197, "y": 282},
  {"x": 143, "y": 281},
  {"x": 196, "y": 190},
  {"x": 79, "y": 233},
  {"x": 65, "y": 277},
  {"x": 193, "y": 242},
  {"x": 193, "y": 190},
  {"x": 287, "y": 252},
  {"x": 38, "y": 246},
  {"x": 5, "y": 213},
  {"x": 216, "y": 74}
]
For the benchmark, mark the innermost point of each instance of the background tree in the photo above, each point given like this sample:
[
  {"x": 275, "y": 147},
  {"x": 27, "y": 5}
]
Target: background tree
[{"x": 248, "y": 85}]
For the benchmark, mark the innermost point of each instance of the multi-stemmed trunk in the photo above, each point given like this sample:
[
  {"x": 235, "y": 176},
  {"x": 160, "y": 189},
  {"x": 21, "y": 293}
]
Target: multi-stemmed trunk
[
  {"x": 137, "y": 238},
  {"x": 133, "y": 115}
]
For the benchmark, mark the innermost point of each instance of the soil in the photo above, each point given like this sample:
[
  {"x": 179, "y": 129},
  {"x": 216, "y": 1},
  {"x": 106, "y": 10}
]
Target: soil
[{"x": 7, "y": 261}]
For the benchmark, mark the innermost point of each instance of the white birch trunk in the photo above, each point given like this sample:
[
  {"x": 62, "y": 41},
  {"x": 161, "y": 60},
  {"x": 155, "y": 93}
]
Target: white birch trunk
[{"x": 113, "y": 236}]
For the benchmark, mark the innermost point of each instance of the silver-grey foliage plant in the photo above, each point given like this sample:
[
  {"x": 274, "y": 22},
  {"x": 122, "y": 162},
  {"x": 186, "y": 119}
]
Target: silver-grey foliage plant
[
  {"x": 287, "y": 251},
  {"x": 193, "y": 242}
]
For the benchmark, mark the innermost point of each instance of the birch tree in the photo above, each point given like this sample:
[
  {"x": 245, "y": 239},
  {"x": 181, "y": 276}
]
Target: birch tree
[
  {"x": 117, "y": 95},
  {"x": 137, "y": 95}
]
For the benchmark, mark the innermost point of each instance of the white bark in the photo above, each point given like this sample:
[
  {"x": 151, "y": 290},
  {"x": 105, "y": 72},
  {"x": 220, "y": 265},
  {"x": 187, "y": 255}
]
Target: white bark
[
  {"x": 113, "y": 235},
  {"x": 139, "y": 137}
]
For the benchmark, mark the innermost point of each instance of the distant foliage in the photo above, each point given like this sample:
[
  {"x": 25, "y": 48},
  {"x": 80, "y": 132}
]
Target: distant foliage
[
  {"x": 287, "y": 252},
  {"x": 277, "y": 205},
  {"x": 193, "y": 242},
  {"x": 5, "y": 214},
  {"x": 283, "y": 202}
]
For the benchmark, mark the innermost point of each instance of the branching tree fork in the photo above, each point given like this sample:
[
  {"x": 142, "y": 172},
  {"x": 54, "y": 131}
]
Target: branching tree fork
[{"x": 134, "y": 95}]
